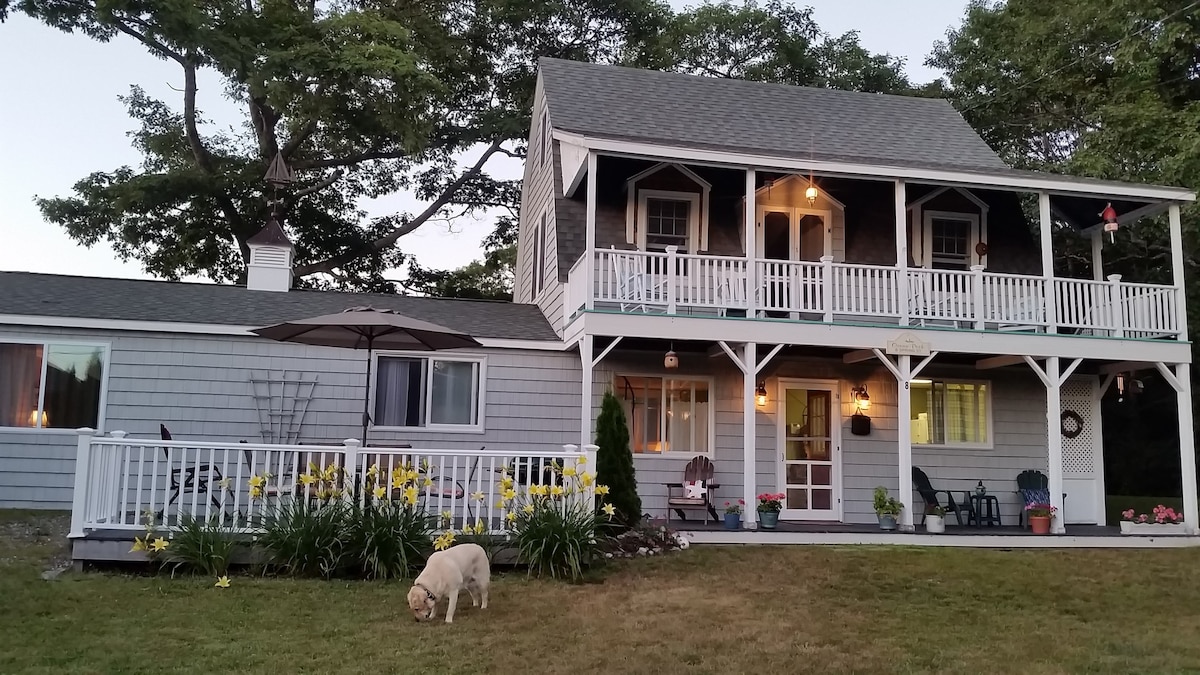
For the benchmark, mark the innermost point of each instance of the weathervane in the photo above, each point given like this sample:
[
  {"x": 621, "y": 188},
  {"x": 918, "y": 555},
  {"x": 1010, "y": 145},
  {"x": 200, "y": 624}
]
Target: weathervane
[{"x": 279, "y": 174}]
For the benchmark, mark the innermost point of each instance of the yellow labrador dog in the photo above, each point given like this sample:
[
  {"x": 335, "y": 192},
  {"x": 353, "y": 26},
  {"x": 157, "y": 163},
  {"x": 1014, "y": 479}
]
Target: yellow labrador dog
[{"x": 446, "y": 573}]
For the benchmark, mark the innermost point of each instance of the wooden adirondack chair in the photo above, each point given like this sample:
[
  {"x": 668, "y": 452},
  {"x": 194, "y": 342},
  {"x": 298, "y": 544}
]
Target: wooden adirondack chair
[
  {"x": 930, "y": 498},
  {"x": 1034, "y": 488},
  {"x": 699, "y": 470}
]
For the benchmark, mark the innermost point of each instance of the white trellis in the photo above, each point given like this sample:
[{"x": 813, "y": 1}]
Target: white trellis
[{"x": 282, "y": 398}]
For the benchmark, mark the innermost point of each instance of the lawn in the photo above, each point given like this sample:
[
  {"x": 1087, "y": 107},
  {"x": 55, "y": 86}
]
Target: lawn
[{"x": 704, "y": 610}]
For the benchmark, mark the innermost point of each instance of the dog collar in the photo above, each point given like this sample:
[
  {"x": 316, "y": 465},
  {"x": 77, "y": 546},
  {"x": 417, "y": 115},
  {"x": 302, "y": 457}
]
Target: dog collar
[{"x": 427, "y": 592}]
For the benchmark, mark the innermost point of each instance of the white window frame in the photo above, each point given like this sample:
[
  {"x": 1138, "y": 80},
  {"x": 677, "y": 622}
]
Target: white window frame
[
  {"x": 990, "y": 395},
  {"x": 712, "y": 412},
  {"x": 977, "y": 234},
  {"x": 480, "y": 392},
  {"x": 696, "y": 236},
  {"x": 538, "y": 272},
  {"x": 46, "y": 343}
]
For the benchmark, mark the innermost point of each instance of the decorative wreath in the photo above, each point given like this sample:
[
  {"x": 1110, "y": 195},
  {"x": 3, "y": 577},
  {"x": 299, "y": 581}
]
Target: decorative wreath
[{"x": 1072, "y": 424}]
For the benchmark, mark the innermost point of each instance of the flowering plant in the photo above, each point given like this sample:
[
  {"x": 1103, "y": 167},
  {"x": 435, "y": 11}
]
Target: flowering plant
[
  {"x": 1161, "y": 515},
  {"x": 770, "y": 502},
  {"x": 1041, "y": 511},
  {"x": 735, "y": 508}
]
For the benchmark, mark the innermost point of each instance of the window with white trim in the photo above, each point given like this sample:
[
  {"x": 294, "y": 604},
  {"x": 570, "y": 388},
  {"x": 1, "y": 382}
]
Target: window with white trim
[
  {"x": 428, "y": 391},
  {"x": 545, "y": 129},
  {"x": 539, "y": 256},
  {"x": 667, "y": 218},
  {"x": 949, "y": 243},
  {"x": 950, "y": 413},
  {"x": 667, "y": 415},
  {"x": 51, "y": 385}
]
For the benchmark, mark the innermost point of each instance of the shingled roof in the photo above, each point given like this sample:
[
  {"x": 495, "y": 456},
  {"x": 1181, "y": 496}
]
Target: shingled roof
[
  {"x": 771, "y": 119},
  {"x": 51, "y": 295}
]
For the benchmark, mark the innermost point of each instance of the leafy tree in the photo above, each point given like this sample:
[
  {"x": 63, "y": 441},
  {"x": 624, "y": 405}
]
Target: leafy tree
[{"x": 614, "y": 462}]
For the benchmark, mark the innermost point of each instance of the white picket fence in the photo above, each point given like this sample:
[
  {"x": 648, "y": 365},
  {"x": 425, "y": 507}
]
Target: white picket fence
[{"x": 118, "y": 480}]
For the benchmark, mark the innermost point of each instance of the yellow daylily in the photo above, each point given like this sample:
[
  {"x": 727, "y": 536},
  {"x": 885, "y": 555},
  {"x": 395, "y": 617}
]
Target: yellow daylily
[
  {"x": 556, "y": 491},
  {"x": 428, "y": 482},
  {"x": 447, "y": 516},
  {"x": 255, "y": 492},
  {"x": 537, "y": 490},
  {"x": 257, "y": 481},
  {"x": 424, "y": 462},
  {"x": 568, "y": 471},
  {"x": 479, "y": 526},
  {"x": 225, "y": 483},
  {"x": 510, "y": 517},
  {"x": 506, "y": 483},
  {"x": 312, "y": 467},
  {"x": 222, "y": 582},
  {"x": 373, "y": 471},
  {"x": 585, "y": 478},
  {"x": 510, "y": 494},
  {"x": 477, "y": 496},
  {"x": 307, "y": 479},
  {"x": 528, "y": 508},
  {"x": 445, "y": 541},
  {"x": 581, "y": 461},
  {"x": 139, "y": 546},
  {"x": 159, "y": 544},
  {"x": 335, "y": 493},
  {"x": 609, "y": 510},
  {"x": 321, "y": 494},
  {"x": 501, "y": 504},
  {"x": 379, "y": 492},
  {"x": 412, "y": 475},
  {"x": 601, "y": 490},
  {"x": 410, "y": 494}
]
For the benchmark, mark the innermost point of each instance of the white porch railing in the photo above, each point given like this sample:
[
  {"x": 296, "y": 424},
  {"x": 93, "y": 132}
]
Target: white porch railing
[
  {"x": 118, "y": 479},
  {"x": 671, "y": 283}
]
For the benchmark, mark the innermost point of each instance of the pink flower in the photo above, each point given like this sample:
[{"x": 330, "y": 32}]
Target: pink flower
[
  {"x": 1127, "y": 515},
  {"x": 726, "y": 503},
  {"x": 1142, "y": 518},
  {"x": 741, "y": 501}
]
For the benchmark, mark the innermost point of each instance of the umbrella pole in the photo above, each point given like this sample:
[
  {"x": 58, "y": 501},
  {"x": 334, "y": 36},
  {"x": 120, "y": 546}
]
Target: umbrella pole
[{"x": 366, "y": 418}]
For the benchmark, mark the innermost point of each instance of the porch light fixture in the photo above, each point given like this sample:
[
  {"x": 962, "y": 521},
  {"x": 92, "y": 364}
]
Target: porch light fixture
[
  {"x": 1109, "y": 214},
  {"x": 33, "y": 418},
  {"x": 862, "y": 400},
  {"x": 760, "y": 394},
  {"x": 811, "y": 193},
  {"x": 671, "y": 359}
]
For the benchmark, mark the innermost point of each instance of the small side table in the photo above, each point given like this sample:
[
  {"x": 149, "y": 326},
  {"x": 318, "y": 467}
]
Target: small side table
[{"x": 989, "y": 516}]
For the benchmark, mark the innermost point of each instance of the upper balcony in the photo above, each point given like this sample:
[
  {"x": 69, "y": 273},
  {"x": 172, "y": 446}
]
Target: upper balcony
[{"x": 669, "y": 239}]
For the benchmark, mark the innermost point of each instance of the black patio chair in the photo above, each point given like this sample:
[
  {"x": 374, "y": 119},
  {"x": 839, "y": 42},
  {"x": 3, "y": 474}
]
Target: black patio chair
[
  {"x": 1034, "y": 488},
  {"x": 930, "y": 498},
  {"x": 192, "y": 478}
]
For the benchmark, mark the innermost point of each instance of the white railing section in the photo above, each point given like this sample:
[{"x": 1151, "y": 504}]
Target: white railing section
[
  {"x": 119, "y": 480},
  {"x": 575, "y": 293},
  {"x": 672, "y": 282}
]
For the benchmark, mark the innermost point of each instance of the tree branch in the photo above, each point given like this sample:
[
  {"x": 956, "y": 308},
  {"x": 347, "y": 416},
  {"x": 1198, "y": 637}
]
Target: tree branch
[
  {"x": 317, "y": 187},
  {"x": 305, "y": 131},
  {"x": 347, "y": 161},
  {"x": 388, "y": 240}
]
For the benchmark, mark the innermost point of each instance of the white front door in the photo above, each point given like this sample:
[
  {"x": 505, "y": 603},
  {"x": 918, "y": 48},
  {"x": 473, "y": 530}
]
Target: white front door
[{"x": 809, "y": 442}]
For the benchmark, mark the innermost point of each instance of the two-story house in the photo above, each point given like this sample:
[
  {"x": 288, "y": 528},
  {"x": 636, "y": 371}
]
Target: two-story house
[{"x": 756, "y": 269}]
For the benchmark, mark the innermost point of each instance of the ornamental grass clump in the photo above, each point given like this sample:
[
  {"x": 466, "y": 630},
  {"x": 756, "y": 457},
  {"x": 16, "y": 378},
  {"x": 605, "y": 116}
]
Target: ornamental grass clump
[
  {"x": 201, "y": 547},
  {"x": 309, "y": 538}
]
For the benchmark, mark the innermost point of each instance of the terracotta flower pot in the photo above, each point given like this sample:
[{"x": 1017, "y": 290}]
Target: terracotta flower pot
[{"x": 1040, "y": 524}]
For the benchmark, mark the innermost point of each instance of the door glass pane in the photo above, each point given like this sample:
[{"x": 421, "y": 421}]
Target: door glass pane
[
  {"x": 73, "y": 386},
  {"x": 797, "y": 499},
  {"x": 822, "y": 499},
  {"x": 822, "y": 474},
  {"x": 777, "y": 236},
  {"x": 797, "y": 474},
  {"x": 20, "y": 380},
  {"x": 812, "y": 237}
]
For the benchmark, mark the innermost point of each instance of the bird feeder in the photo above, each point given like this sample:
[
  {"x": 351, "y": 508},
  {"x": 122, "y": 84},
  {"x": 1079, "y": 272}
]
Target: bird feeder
[{"x": 1109, "y": 214}]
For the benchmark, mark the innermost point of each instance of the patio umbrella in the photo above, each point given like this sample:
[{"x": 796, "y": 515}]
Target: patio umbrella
[{"x": 368, "y": 328}]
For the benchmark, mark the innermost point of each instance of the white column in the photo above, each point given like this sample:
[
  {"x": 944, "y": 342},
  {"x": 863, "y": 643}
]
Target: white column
[
  {"x": 1187, "y": 447},
  {"x": 1177, "y": 269},
  {"x": 589, "y": 239},
  {"x": 904, "y": 440},
  {"x": 1046, "y": 239},
  {"x": 1054, "y": 442},
  {"x": 585, "y": 406},
  {"x": 749, "y": 415},
  {"x": 902, "y": 294},
  {"x": 83, "y": 455},
  {"x": 751, "y": 230},
  {"x": 1098, "y": 255}
]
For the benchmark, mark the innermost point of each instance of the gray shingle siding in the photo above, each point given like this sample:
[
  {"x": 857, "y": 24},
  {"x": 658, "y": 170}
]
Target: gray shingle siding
[{"x": 27, "y": 294}]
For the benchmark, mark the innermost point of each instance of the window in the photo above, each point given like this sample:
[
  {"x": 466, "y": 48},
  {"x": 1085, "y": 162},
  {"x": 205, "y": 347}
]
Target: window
[
  {"x": 668, "y": 218},
  {"x": 545, "y": 128},
  {"x": 417, "y": 391},
  {"x": 51, "y": 386},
  {"x": 539, "y": 257},
  {"x": 666, "y": 414},
  {"x": 950, "y": 243},
  {"x": 950, "y": 413}
]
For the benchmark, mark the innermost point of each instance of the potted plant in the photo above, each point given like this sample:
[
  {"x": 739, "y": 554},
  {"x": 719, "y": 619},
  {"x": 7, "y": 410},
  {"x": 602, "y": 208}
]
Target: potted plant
[
  {"x": 1163, "y": 520},
  {"x": 733, "y": 515},
  {"x": 887, "y": 509},
  {"x": 769, "y": 506},
  {"x": 935, "y": 519},
  {"x": 1039, "y": 517}
]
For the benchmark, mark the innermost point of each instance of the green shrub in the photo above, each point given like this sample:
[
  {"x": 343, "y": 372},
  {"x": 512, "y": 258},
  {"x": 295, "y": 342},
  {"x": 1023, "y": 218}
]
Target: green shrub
[
  {"x": 558, "y": 539},
  {"x": 614, "y": 463},
  {"x": 309, "y": 539},
  {"x": 389, "y": 540},
  {"x": 201, "y": 547}
]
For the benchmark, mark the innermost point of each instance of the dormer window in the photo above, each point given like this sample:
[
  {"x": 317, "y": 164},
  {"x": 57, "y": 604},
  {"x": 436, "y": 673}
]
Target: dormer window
[
  {"x": 950, "y": 243},
  {"x": 667, "y": 223}
]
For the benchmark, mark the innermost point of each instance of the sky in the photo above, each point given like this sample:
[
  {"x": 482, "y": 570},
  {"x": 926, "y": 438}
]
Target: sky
[{"x": 60, "y": 120}]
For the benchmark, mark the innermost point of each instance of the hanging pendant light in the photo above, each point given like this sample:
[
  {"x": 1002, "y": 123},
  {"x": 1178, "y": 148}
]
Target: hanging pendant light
[
  {"x": 1109, "y": 214},
  {"x": 811, "y": 193}
]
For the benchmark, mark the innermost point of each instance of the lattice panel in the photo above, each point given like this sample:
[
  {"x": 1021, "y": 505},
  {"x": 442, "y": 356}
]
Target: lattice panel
[{"x": 1079, "y": 452}]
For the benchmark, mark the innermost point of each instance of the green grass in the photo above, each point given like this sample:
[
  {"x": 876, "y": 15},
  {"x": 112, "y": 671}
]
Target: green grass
[
  {"x": 1113, "y": 506},
  {"x": 705, "y": 610}
]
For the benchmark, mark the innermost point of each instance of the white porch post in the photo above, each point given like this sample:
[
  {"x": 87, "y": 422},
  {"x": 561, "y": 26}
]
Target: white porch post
[
  {"x": 1098, "y": 255},
  {"x": 1176, "y": 228},
  {"x": 750, "y": 233},
  {"x": 902, "y": 296},
  {"x": 589, "y": 240},
  {"x": 1187, "y": 446},
  {"x": 1045, "y": 236},
  {"x": 585, "y": 406},
  {"x": 79, "y": 495},
  {"x": 904, "y": 439},
  {"x": 749, "y": 459},
  {"x": 1054, "y": 441}
]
